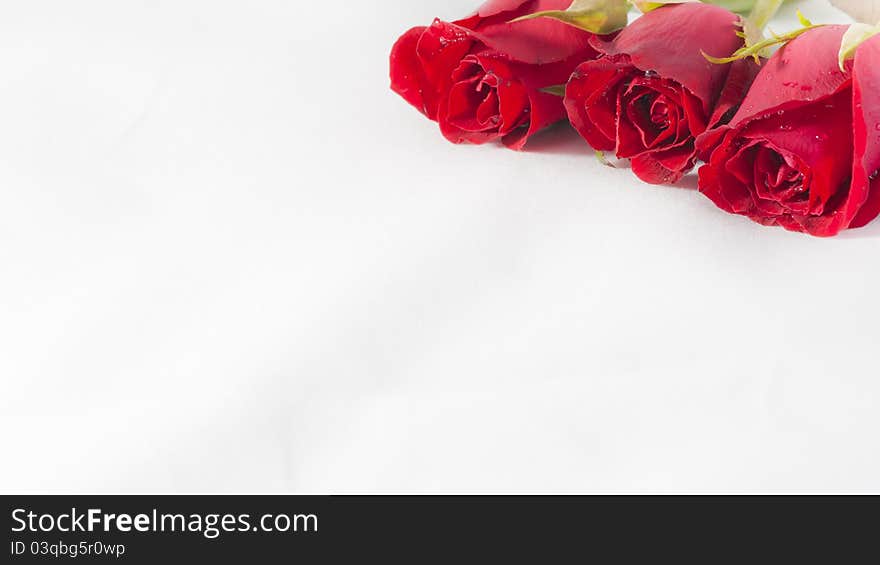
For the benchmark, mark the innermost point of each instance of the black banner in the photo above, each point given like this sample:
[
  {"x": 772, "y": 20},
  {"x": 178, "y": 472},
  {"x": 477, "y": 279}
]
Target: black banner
[{"x": 413, "y": 529}]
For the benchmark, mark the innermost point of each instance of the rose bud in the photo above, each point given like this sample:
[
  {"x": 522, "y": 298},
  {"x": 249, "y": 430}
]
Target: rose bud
[
  {"x": 787, "y": 157},
  {"x": 482, "y": 78},
  {"x": 653, "y": 92}
]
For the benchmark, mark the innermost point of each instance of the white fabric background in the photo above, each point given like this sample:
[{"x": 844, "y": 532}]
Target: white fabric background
[{"x": 231, "y": 260}]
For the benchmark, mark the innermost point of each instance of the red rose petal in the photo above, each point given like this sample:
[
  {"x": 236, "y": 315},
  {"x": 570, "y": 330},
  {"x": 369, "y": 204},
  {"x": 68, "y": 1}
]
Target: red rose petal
[
  {"x": 820, "y": 136},
  {"x": 866, "y": 87},
  {"x": 725, "y": 179},
  {"x": 804, "y": 71},
  {"x": 537, "y": 41},
  {"x": 668, "y": 42},
  {"x": 664, "y": 167},
  {"x": 407, "y": 78},
  {"x": 591, "y": 100}
]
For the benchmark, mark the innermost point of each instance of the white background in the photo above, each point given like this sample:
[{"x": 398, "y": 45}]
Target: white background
[{"x": 231, "y": 260}]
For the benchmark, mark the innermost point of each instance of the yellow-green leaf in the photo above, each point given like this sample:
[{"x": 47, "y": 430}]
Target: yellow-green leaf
[
  {"x": 761, "y": 14},
  {"x": 555, "y": 90},
  {"x": 596, "y": 16},
  {"x": 646, "y": 6},
  {"x": 738, "y": 6},
  {"x": 855, "y": 36}
]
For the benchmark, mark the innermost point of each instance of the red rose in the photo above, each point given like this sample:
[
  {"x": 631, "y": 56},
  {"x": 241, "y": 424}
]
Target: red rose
[
  {"x": 790, "y": 157},
  {"x": 652, "y": 92},
  {"x": 481, "y": 77}
]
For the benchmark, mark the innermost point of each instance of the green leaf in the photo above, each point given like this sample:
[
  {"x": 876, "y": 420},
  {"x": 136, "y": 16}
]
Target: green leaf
[
  {"x": 596, "y": 16},
  {"x": 738, "y": 6},
  {"x": 761, "y": 14},
  {"x": 855, "y": 36},
  {"x": 646, "y": 6},
  {"x": 556, "y": 90}
]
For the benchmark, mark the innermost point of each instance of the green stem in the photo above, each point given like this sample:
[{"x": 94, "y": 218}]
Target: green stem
[{"x": 756, "y": 50}]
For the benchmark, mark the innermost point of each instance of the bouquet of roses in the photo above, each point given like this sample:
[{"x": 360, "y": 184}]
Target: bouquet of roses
[{"x": 786, "y": 128}]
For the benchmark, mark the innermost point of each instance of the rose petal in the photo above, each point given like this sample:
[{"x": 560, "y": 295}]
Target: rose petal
[
  {"x": 535, "y": 55},
  {"x": 820, "y": 136},
  {"x": 664, "y": 167},
  {"x": 441, "y": 48},
  {"x": 866, "y": 87},
  {"x": 407, "y": 78},
  {"x": 537, "y": 41},
  {"x": 495, "y": 7},
  {"x": 545, "y": 109},
  {"x": 730, "y": 191},
  {"x": 591, "y": 99},
  {"x": 804, "y": 71},
  {"x": 739, "y": 81},
  {"x": 668, "y": 41}
]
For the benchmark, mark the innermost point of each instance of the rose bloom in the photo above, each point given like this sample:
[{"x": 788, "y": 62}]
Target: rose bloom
[
  {"x": 653, "y": 92},
  {"x": 803, "y": 152},
  {"x": 482, "y": 78}
]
